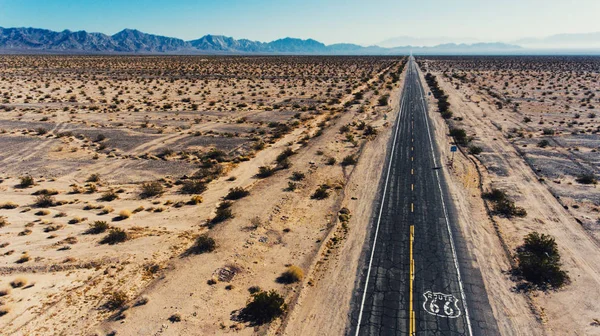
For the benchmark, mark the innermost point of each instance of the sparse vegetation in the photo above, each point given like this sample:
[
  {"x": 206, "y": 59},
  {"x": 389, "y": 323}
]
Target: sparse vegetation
[
  {"x": 116, "y": 300},
  {"x": 502, "y": 205},
  {"x": 98, "y": 227},
  {"x": 291, "y": 275},
  {"x": 151, "y": 189},
  {"x": 539, "y": 262},
  {"x": 115, "y": 236},
  {"x": 203, "y": 244},
  {"x": 237, "y": 193},
  {"x": 223, "y": 212},
  {"x": 321, "y": 193},
  {"x": 26, "y": 181},
  {"x": 263, "y": 307},
  {"x": 44, "y": 201}
]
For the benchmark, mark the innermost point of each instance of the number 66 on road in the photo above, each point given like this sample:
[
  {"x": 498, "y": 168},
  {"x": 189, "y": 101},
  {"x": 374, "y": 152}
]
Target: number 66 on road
[{"x": 440, "y": 304}]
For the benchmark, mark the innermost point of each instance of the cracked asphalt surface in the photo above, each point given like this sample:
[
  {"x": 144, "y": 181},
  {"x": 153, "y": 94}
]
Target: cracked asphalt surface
[{"x": 448, "y": 294}]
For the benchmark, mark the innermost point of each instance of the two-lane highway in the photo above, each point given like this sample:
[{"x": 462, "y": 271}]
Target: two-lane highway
[{"x": 417, "y": 277}]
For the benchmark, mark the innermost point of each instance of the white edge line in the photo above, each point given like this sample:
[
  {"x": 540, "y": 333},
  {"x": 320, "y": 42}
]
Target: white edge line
[
  {"x": 455, "y": 257},
  {"x": 362, "y": 304}
]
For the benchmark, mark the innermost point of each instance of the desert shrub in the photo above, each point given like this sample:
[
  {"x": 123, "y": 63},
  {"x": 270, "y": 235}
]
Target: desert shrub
[
  {"x": 548, "y": 131},
  {"x": 98, "y": 227},
  {"x": 370, "y": 130},
  {"x": 195, "y": 200},
  {"x": 144, "y": 299},
  {"x": 298, "y": 176},
  {"x": 3, "y": 222},
  {"x": 330, "y": 161},
  {"x": 291, "y": 275},
  {"x": 539, "y": 262},
  {"x": 475, "y": 150},
  {"x": 321, "y": 193},
  {"x": 45, "y": 192},
  {"x": 18, "y": 282},
  {"x": 44, "y": 201},
  {"x": 460, "y": 136},
  {"x": 124, "y": 214},
  {"x": 543, "y": 143},
  {"x": 292, "y": 186},
  {"x": 23, "y": 258},
  {"x": 8, "y": 205},
  {"x": 383, "y": 100},
  {"x": 116, "y": 300},
  {"x": 4, "y": 310},
  {"x": 265, "y": 171},
  {"x": 175, "y": 318},
  {"x": 151, "y": 189},
  {"x": 284, "y": 164},
  {"x": 203, "y": 244},
  {"x": 93, "y": 178},
  {"x": 284, "y": 155},
  {"x": 26, "y": 181},
  {"x": 237, "y": 193},
  {"x": 109, "y": 196},
  {"x": 349, "y": 160},
  {"x": 504, "y": 206},
  {"x": 115, "y": 236},
  {"x": 193, "y": 186},
  {"x": 446, "y": 114},
  {"x": 587, "y": 179},
  {"x": 264, "y": 307},
  {"x": 4, "y": 292},
  {"x": 223, "y": 212},
  {"x": 344, "y": 129}
]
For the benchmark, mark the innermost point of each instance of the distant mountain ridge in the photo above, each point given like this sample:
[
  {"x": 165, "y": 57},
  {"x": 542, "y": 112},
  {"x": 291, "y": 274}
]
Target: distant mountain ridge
[{"x": 24, "y": 40}]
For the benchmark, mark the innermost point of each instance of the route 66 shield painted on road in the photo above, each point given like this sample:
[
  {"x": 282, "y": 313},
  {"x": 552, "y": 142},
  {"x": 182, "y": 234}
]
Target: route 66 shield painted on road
[{"x": 440, "y": 304}]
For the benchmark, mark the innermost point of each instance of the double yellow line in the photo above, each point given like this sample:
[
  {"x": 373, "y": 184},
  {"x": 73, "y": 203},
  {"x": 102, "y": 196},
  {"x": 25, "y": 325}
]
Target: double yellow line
[{"x": 412, "y": 325}]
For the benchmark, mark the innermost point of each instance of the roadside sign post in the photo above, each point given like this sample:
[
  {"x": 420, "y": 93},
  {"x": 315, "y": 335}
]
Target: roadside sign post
[{"x": 453, "y": 149}]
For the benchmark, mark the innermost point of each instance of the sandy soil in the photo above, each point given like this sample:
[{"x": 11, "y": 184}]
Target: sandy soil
[
  {"x": 570, "y": 310},
  {"x": 69, "y": 276}
]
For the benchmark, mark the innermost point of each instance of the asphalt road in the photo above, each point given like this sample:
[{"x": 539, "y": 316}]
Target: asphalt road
[{"x": 417, "y": 276}]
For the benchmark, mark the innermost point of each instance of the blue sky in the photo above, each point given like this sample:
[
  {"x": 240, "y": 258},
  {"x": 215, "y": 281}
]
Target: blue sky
[{"x": 329, "y": 21}]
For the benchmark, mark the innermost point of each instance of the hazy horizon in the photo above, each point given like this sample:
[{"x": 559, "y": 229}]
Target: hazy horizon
[{"x": 332, "y": 21}]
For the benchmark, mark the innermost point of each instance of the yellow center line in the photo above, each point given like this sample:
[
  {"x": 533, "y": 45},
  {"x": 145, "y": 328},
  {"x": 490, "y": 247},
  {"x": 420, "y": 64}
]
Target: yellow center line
[
  {"x": 412, "y": 187},
  {"x": 412, "y": 207},
  {"x": 412, "y": 172},
  {"x": 412, "y": 325}
]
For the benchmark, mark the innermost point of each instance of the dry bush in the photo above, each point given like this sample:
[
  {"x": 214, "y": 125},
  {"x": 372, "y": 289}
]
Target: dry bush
[
  {"x": 18, "y": 282},
  {"x": 44, "y": 201},
  {"x": 115, "y": 236},
  {"x": 144, "y": 299},
  {"x": 5, "y": 291},
  {"x": 193, "y": 186},
  {"x": 223, "y": 212},
  {"x": 4, "y": 310},
  {"x": 8, "y": 205},
  {"x": 124, "y": 214},
  {"x": 265, "y": 171},
  {"x": 50, "y": 192},
  {"x": 263, "y": 308},
  {"x": 151, "y": 189},
  {"x": 98, "y": 227},
  {"x": 203, "y": 244},
  {"x": 321, "y": 193},
  {"x": 93, "y": 178},
  {"x": 291, "y": 275},
  {"x": 109, "y": 196},
  {"x": 197, "y": 199},
  {"x": 23, "y": 258},
  {"x": 26, "y": 181},
  {"x": 116, "y": 300},
  {"x": 237, "y": 193},
  {"x": 3, "y": 221}
]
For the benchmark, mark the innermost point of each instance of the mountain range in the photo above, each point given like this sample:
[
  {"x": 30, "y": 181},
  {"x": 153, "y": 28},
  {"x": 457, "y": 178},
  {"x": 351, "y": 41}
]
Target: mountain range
[{"x": 131, "y": 41}]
